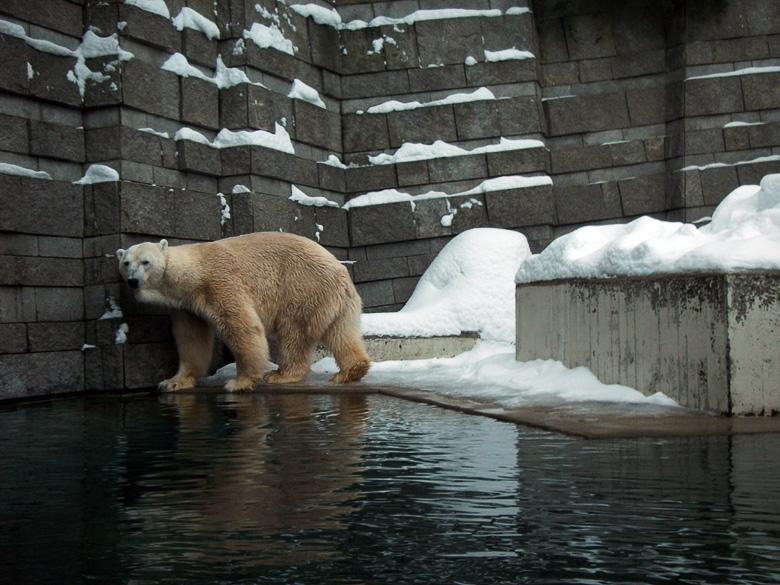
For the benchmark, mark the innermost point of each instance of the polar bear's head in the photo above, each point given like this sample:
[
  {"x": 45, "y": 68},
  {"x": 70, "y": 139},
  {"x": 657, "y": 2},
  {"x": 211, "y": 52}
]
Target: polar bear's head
[{"x": 143, "y": 264}]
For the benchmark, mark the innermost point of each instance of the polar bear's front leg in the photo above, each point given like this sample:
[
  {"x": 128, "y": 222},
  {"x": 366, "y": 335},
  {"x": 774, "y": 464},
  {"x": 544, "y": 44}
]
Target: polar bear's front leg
[{"x": 194, "y": 344}]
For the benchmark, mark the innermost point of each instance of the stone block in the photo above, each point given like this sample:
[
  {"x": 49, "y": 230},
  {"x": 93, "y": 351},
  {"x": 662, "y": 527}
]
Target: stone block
[
  {"x": 270, "y": 213},
  {"x": 402, "y": 53},
  {"x": 50, "y": 81},
  {"x": 704, "y": 141},
  {"x": 335, "y": 229},
  {"x": 388, "y": 268},
  {"x": 316, "y": 126},
  {"x": 403, "y": 288},
  {"x": 13, "y": 338},
  {"x": 457, "y": 168},
  {"x": 760, "y": 136},
  {"x": 589, "y": 36},
  {"x": 604, "y": 112},
  {"x": 563, "y": 116},
  {"x": 654, "y": 148},
  {"x": 716, "y": 183},
  {"x": 374, "y": 84},
  {"x": 18, "y": 244},
  {"x": 560, "y": 74},
  {"x": 470, "y": 212},
  {"x": 236, "y": 160},
  {"x": 199, "y": 158},
  {"x": 509, "y": 31},
  {"x": 437, "y": 78},
  {"x": 517, "y": 162},
  {"x": 371, "y": 178},
  {"x": 514, "y": 208},
  {"x": 56, "y": 141},
  {"x": 639, "y": 64},
  {"x": 146, "y": 209},
  {"x": 580, "y": 204},
  {"x": 751, "y": 174},
  {"x": 57, "y": 303},
  {"x": 361, "y": 56},
  {"x": 595, "y": 70},
  {"x": 147, "y": 364},
  {"x": 647, "y": 106},
  {"x": 448, "y": 41},
  {"x": 412, "y": 173},
  {"x": 17, "y": 304},
  {"x": 520, "y": 115},
  {"x": 56, "y": 247},
  {"x": 643, "y": 195},
  {"x": 325, "y": 47},
  {"x": 580, "y": 159},
  {"x": 199, "y": 102},
  {"x": 150, "y": 28},
  {"x": 713, "y": 95},
  {"x": 379, "y": 224},
  {"x": 760, "y": 90},
  {"x": 501, "y": 72},
  {"x": 197, "y": 215},
  {"x": 628, "y": 153},
  {"x": 13, "y": 66},
  {"x": 63, "y": 17},
  {"x": 477, "y": 120},
  {"x": 39, "y": 374},
  {"x": 41, "y": 207},
  {"x": 150, "y": 89},
  {"x": 13, "y": 133},
  {"x": 552, "y": 41},
  {"x": 377, "y": 295},
  {"x": 428, "y": 215},
  {"x": 252, "y": 106},
  {"x": 421, "y": 125},
  {"x": 101, "y": 144},
  {"x": 141, "y": 329},
  {"x": 365, "y": 132},
  {"x": 56, "y": 336},
  {"x": 101, "y": 209},
  {"x": 332, "y": 178},
  {"x": 197, "y": 47}
]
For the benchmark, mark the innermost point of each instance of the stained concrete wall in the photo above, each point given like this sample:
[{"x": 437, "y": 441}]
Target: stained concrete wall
[{"x": 709, "y": 342}]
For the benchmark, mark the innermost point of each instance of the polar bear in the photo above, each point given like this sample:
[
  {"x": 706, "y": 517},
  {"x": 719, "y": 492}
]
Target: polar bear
[{"x": 242, "y": 288}]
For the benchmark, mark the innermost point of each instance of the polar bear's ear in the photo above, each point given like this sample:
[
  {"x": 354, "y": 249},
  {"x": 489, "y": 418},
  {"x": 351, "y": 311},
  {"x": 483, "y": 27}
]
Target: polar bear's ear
[
  {"x": 163, "y": 245},
  {"x": 120, "y": 253}
]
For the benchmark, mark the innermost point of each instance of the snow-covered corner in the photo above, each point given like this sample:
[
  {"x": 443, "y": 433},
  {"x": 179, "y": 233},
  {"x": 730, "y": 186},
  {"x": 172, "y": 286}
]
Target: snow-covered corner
[
  {"x": 468, "y": 287},
  {"x": 98, "y": 174},
  {"x": 744, "y": 234}
]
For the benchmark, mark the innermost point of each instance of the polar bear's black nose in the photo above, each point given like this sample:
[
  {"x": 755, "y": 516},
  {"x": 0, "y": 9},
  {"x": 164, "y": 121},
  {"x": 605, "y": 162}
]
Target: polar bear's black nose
[{"x": 132, "y": 282}]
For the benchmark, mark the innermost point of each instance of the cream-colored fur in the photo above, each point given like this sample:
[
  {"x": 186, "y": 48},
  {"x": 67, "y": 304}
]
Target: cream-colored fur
[{"x": 243, "y": 288}]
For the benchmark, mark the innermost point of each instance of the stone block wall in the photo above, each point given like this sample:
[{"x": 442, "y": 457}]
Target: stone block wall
[{"x": 211, "y": 125}]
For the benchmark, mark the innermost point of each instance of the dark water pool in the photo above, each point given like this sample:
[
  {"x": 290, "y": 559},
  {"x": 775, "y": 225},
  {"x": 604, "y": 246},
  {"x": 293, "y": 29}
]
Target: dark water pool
[{"x": 369, "y": 490}]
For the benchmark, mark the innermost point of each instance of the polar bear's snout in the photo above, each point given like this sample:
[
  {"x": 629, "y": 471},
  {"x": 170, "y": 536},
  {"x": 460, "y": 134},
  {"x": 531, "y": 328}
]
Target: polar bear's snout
[{"x": 133, "y": 282}]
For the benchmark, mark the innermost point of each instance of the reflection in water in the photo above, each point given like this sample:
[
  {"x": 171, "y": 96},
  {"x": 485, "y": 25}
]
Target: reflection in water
[{"x": 208, "y": 488}]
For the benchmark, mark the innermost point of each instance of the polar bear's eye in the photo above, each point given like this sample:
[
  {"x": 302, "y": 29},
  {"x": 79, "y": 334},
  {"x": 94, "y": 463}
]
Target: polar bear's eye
[
  {"x": 145, "y": 262},
  {"x": 126, "y": 262}
]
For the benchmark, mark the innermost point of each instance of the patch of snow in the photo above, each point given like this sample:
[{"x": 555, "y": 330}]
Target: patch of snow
[
  {"x": 301, "y": 91},
  {"x": 113, "y": 311},
  {"x": 300, "y": 197},
  {"x": 9, "y": 169},
  {"x": 470, "y": 61},
  {"x": 189, "y": 18},
  {"x": 739, "y": 124},
  {"x": 98, "y": 174},
  {"x": 319, "y": 14},
  {"x": 121, "y": 334},
  {"x": 719, "y": 165},
  {"x": 507, "y": 55},
  {"x": 157, "y": 7},
  {"x": 240, "y": 189},
  {"x": 335, "y": 161},
  {"x": 279, "y": 140},
  {"x": 744, "y": 235},
  {"x": 481, "y": 94},
  {"x": 468, "y": 287},
  {"x": 421, "y": 16},
  {"x": 515, "y": 10},
  {"x": 224, "y": 77},
  {"x": 155, "y": 132},
  {"x": 225, "y": 209},
  {"x": 745, "y": 71},
  {"x": 412, "y": 151},
  {"x": 269, "y": 37}
]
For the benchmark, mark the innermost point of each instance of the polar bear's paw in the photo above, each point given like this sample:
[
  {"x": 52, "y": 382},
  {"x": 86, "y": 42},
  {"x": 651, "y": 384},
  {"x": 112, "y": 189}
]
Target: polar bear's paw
[
  {"x": 176, "y": 383},
  {"x": 351, "y": 374},
  {"x": 240, "y": 384},
  {"x": 278, "y": 377}
]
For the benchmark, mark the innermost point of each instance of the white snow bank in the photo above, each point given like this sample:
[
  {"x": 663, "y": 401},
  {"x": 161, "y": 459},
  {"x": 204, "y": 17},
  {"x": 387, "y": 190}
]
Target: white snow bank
[
  {"x": 412, "y": 151},
  {"x": 481, "y": 94},
  {"x": 98, "y": 174},
  {"x": 490, "y": 373},
  {"x": 507, "y": 55},
  {"x": 496, "y": 184},
  {"x": 745, "y": 71},
  {"x": 301, "y": 91},
  {"x": 279, "y": 140},
  {"x": 468, "y": 287},
  {"x": 9, "y": 169},
  {"x": 744, "y": 234},
  {"x": 189, "y": 18},
  {"x": 319, "y": 14},
  {"x": 300, "y": 197},
  {"x": 329, "y": 16}
]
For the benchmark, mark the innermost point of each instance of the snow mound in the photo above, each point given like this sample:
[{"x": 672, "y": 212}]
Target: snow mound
[
  {"x": 744, "y": 235},
  {"x": 468, "y": 287},
  {"x": 98, "y": 174}
]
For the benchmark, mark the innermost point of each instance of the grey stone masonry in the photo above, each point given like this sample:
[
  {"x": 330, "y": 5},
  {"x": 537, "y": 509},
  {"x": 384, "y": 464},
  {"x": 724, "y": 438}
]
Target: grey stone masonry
[{"x": 639, "y": 108}]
